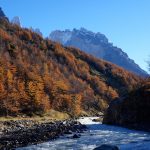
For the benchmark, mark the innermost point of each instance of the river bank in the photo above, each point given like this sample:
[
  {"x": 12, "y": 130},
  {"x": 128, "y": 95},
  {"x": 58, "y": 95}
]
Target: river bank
[
  {"x": 19, "y": 133},
  {"x": 73, "y": 135}
]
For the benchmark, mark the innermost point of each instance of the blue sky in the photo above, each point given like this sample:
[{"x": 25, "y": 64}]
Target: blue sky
[{"x": 126, "y": 23}]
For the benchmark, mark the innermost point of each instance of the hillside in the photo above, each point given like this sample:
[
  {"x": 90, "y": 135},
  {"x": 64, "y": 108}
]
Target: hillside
[
  {"x": 37, "y": 75},
  {"x": 133, "y": 110},
  {"x": 98, "y": 45}
]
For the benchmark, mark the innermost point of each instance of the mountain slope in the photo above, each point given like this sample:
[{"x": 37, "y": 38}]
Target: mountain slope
[
  {"x": 37, "y": 75},
  {"x": 98, "y": 45}
]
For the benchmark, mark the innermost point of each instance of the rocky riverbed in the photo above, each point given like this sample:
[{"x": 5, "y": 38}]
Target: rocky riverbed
[
  {"x": 98, "y": 136},
  {"x": 26, "y": 132}
]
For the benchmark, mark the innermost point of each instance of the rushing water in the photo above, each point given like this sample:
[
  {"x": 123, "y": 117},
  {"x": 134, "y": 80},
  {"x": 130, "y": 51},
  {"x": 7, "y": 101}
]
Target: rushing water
[{"x": 96, "y": 135}]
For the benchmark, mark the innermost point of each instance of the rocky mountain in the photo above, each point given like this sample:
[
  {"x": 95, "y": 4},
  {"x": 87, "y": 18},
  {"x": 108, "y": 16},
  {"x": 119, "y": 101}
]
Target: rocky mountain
[
  {"x": 16, "y": 20},
  {"x": 36, "y": 30},
  {"x": 132, "y": 111},
  {"x": 38, "y": 75},
  {"x": 2, "y": 15},
  {"x": 98, "y": 45}
]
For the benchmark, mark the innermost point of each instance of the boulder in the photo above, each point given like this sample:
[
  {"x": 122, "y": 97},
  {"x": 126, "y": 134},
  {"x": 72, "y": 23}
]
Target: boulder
[
  {"x": 75, "y": 136},
  {"x": 98, "y": 119},
  {"x": 106, "y": 147},
  {"x": 67, "y": 132}
]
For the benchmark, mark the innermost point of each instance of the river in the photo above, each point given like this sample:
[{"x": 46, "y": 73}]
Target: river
[{"x": 96, "y": 135}]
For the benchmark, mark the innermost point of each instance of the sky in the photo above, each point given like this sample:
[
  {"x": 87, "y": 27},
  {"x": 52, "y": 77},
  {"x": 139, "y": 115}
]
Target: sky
[{"x": 126, "y": 23}]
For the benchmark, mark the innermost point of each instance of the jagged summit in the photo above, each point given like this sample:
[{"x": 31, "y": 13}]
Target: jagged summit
[
  {"x": 61, "y": 36},
  {"x": 98, "y": 45},
  {"x": 2, "y": 15},
  {"x": 36, "y": 30},
  {"x": 16, "y": 20}
]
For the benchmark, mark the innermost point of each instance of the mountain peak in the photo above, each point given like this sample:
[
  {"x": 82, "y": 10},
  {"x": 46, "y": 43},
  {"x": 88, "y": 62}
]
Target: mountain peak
[
  {"x": 16, "y": 20},
  {"x": 61, "y": 36},
  {"x": 2, "y": 15},
  {"x": 84, "y": 30},
  {"x": 36, "y": 30}
]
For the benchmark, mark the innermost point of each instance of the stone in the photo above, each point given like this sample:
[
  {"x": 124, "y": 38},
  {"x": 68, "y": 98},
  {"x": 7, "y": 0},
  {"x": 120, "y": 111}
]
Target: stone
[
  {"x": 76, "y": 136},
  {"x": 106, "y": 147},
  {"x": 67, "y": 132}
]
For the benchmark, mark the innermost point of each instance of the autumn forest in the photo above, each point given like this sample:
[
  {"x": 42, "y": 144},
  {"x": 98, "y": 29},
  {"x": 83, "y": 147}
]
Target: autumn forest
[{"x": 37, "y": 75}]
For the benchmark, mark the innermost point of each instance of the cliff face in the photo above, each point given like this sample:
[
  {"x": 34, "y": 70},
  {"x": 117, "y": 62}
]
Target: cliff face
[
  {"x": 132, "y": 111},
  {"x": 98, "y": 45}
]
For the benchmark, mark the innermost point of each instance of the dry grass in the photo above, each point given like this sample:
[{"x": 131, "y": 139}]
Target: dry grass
[{"x": 52, "y": 115}]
